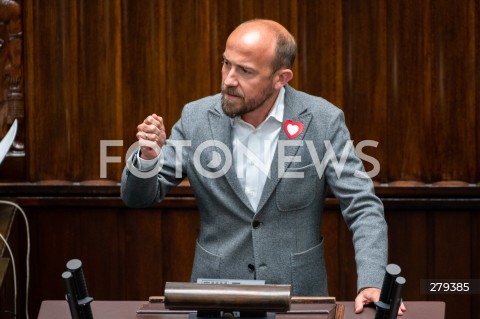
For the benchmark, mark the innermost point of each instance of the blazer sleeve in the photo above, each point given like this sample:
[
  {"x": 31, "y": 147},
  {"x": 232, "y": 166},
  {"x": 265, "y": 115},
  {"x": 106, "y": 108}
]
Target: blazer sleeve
[{"x": 362, "y": 210}]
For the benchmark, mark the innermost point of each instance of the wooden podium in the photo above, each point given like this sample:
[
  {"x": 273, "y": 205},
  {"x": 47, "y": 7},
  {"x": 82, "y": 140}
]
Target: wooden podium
[
  {"x": 300, "y": 308},
  {"x": 58, "y": 309}
]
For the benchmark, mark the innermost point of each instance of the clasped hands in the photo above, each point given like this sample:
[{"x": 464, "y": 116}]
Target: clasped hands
[{"x": 151, "y": 136}]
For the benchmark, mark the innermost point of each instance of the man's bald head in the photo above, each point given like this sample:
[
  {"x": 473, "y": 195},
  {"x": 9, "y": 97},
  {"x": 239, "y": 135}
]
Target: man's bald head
[{"x": 270, "y": 32}]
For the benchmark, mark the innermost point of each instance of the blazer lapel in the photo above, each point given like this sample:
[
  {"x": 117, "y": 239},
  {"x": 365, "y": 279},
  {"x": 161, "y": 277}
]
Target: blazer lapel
[
  {"x": 221, "y": 129},
  {"x": 296, "y": 112}
]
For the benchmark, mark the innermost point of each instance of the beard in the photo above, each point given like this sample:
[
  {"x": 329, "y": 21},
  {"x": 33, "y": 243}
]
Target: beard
[{"x": 243, "y": 105}]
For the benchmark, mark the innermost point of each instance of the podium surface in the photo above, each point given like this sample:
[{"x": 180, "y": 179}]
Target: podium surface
[{"x": 58, "y": 309}]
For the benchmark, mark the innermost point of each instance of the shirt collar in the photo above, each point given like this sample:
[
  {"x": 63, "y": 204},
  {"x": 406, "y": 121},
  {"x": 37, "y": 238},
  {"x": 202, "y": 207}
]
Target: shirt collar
[{"x": 276, "y": 112}]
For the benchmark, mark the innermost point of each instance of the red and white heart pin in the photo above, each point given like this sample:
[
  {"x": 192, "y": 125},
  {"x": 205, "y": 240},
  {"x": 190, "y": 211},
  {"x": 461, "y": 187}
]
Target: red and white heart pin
[{"x": 293, "y": 129}]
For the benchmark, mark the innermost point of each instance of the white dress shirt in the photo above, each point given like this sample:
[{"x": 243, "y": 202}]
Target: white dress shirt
[{"x": 253, "y": 150}]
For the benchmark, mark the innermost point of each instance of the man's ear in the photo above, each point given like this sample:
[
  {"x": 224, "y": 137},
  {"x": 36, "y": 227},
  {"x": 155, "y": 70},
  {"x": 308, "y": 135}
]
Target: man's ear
[{"x": 283, "y": 76}]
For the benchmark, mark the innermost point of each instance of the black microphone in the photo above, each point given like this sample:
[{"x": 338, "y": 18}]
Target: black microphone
[
  {"x": 396, "y": 297},
  {"x": 71, "y": 295},
  {"x": 391, "y": 294},
  {"x": 79, "y": 300}
]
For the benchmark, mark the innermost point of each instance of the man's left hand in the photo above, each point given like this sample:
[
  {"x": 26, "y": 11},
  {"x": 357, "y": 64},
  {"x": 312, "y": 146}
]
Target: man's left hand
[{"x": 369, "y": 295}]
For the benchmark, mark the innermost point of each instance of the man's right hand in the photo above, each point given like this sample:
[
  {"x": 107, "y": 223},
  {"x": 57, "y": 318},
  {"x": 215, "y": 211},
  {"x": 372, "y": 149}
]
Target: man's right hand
[{"x": 151, "y": 136}]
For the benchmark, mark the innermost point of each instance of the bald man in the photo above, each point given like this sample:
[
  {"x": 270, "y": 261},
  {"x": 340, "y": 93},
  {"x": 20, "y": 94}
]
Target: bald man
[{"x": 253, "y": 155}]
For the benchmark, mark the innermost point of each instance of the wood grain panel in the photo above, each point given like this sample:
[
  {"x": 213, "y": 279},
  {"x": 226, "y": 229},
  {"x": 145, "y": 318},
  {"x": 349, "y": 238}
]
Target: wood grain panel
[
  {"x": 341, "y": 268},
  {"x": 94, "y": 90},
  {"x": 140, "y": 235},
  {"x": 409, "y": 229},
  {"x": 406, "y": 75},
  {"x": 144, "y": 88},
  {"x": 453, "y": 91},
  {"x": 320, "y": 45},
  {"x": 452, "y": 235},
  {"x": 477, "y": 96},
  {"x": 188, "y": 55},
  {"x": 100, "y": 250},
  {"x": 408, "y": 92},
  {"x": 475, "y": 262},
  {"x": 179, "y": 234},
  {"x": 74, "y": 107},
  {"x": 130, "y": 253},
  {"x": 47, "y": 86},
  {"x": 54, "y": 242},
  {"x": 365, "y": 75}
]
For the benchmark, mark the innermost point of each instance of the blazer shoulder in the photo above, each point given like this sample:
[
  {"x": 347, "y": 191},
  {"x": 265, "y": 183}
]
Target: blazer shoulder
[
  {"x": 195, "y": 115},
  {"x": 316, "y": 105},
  {"x": 201, "y": 106}
]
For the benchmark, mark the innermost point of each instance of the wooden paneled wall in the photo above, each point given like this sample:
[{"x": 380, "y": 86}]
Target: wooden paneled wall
[
  {"x": 129, "y": 254},
  {"x": 406, "y": 73}
]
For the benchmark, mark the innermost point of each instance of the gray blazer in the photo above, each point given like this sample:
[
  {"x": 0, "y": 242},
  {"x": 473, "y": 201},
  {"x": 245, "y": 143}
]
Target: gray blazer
[{"x": 281, "y": 241}]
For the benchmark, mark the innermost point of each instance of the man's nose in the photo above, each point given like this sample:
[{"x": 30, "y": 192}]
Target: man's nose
[{"x": 230, "y": 78}]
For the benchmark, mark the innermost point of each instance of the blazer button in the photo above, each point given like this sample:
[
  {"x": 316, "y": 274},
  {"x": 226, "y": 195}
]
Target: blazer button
[
  {"x": 251, "y": 267},
  {"x": 256, "y": 224}
]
